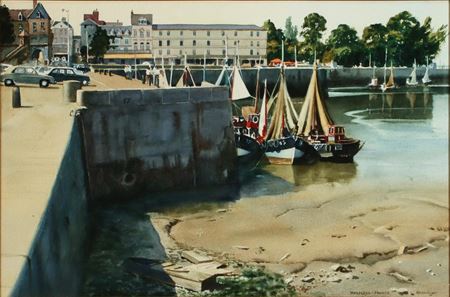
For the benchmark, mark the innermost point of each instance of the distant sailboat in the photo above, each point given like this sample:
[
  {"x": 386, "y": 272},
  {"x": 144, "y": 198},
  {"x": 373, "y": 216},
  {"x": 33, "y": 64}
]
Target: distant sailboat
[
  {"x": 412, "y": 79},
  {"x": 426, "y": 78},
  {"x": 374, "y": 81},
  {"x": 316, "y": 126},
  {"x": 186, "y": 79},
  {"x": 390, "y": 84}
]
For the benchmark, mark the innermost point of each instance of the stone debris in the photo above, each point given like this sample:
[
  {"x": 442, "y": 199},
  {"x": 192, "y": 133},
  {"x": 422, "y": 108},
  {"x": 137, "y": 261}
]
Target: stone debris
[
  {"x": 308, "y": 279},
  {"x": 241, "y": 247},
  {"x": 401, "y": 277},
  {"x": 287, "y": 255},
  {"x": 401, "y": 291},
  {"x": 222, "y": 210},
  {"x": 334, "y": 279}
]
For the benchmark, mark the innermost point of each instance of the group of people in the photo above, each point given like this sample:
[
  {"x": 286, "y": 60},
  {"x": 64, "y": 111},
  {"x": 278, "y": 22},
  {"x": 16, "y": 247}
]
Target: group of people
[
  {"x": 128, "y": 72},
  {"x": 151, "y": 77}
]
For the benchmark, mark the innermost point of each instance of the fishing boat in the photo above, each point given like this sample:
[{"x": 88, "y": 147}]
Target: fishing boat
[
  {"x": 412, "y": 79},
  {"x": 282, "y": 145},
  {"x": 317, "y": 128},
  {"x": 426, "y": 78}
]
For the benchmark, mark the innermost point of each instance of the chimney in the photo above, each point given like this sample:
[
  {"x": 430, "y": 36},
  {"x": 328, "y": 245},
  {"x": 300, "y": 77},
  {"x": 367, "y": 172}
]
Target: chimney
[
  {"x": 95, "y": 14},
  {"x": 34, "y": 3}
]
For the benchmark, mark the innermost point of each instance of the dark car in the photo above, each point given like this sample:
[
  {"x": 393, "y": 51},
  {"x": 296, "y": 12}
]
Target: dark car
[
  {"x": 67, "y": 73},
  {"x": 25, "y": 75},
  {"x": 82, "y": 67}
]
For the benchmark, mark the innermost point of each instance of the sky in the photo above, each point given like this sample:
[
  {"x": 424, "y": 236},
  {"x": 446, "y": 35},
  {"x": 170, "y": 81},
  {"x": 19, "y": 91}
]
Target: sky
[{"x": 357, "y": 14}]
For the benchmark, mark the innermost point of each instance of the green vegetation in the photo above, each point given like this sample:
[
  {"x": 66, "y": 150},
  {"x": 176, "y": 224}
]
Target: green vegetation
[
  {"x": 403, "y": 36},
  {"x": 99, "y": 44},
  {"x": 6, "y": 26}
]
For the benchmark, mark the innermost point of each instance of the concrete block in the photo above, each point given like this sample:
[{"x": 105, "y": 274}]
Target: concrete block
[
  {"x": 201, "y": 94},
  {"x": 150, "y": 96},
  {"x": 175, "y": 95},
  {"x": 126, "y": 97},
  {"x": 93, "y": 98},
  {"x": 70, "y": 88}
]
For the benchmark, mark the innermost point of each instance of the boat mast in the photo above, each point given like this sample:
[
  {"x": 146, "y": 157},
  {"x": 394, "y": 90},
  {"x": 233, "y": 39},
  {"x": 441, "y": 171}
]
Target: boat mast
[
  {"x": 385, "y": 61},
  {"x": 370, "y": 59},
  {"x": 282, "y": 51},
  {"x": 171, "y": 73},
  {"x": 204, "y": 65},
  {"x": 295, "y": 55}
]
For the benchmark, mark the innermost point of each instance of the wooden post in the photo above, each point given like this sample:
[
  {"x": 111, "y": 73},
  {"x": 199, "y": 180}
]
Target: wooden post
[{"x": 16, "y": 102}]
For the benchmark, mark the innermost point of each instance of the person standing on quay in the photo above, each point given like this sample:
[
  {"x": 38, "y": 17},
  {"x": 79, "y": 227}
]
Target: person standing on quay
[{"x": 148, "y": 75}]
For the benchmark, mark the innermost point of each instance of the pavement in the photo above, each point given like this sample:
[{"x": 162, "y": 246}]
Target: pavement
[{"x": 33, "y": 141}]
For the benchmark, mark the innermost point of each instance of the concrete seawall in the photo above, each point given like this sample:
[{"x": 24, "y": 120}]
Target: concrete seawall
[
  {"x": 54, "y": 264},
  {"x": 151, "y": 140}
]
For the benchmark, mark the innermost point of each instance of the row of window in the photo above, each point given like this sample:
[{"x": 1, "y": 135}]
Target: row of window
[
  {"x": 42, "y": 27},
  {"x": 208, "y": 43},
  {"x": 208, "y": 33},
  {"x": 194, "y": 52}
]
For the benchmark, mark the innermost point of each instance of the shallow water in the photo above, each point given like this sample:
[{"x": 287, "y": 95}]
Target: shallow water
[{"x": 406, "y": 142}]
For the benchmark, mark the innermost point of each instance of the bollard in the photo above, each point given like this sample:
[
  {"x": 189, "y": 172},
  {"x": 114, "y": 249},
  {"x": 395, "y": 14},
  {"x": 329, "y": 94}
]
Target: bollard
[
  {"x": 16, "y": 102},
  {"x": 109, "y": 72},
  {"x": 70, "y": 88}
]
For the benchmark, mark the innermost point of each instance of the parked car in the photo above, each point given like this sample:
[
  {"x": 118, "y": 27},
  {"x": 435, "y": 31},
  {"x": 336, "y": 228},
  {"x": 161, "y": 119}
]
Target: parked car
[
  {"x": 42, "y": 69},
  {"x": 82, "y": 67},
  {"x": 67, "y": 73},
  {"x": 25, "y": 75}
]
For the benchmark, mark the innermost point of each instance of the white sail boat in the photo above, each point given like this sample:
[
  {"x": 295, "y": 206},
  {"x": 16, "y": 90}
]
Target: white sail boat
[
  {"x": 374, "y": 81},
  {"x": 426, "y": 78},
  {"x": 412, "y": 79},
  {"x": 390, "y": 84}
]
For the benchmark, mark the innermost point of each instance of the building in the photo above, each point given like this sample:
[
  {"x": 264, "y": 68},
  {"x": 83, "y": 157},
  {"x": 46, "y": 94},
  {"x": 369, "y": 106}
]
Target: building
[
  {"x": 144, "y": 41},
  {"x": 32, "y": 32},
  {"x": 62, "y": 40},
  {"x": 246, "y": 43},
  {"x": 89, "y": 25}
]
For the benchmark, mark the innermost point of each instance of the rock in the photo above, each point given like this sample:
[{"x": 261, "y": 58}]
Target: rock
[
  {"x": 401, "y": 291},
  {"x": 433, "y": 274},
  {"x": 439, "y": 264},
  {"x": 340, "y": 268},
  {"x": 401, "y": 250},
  {"x": 308, "y": 279},
  {"x": 353, "y": 227},
  {"x": 222, "y": 210},
  {"x": 428, "y": 270},
  {"x": 334, "y": 279},
  {"x": 241, "y": 247}
]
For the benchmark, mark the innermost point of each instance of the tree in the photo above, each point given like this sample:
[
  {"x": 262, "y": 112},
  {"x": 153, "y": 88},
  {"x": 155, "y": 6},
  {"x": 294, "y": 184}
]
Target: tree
[
  {"x": 6, "y": 26},
  {"x": 312, "y": 31},
  {"x": 291, "y": 33},
  {"x": 274, "y": 39},
  {"x": 345, "y": 46},
  {"x": 99, "y": 44},
  {"x": 374, "y": 39}
]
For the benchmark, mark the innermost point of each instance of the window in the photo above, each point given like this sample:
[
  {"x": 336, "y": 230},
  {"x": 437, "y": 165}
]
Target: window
[
  {"x": 70, "y": 71},
  {"x": 257, "y": 43},
  {"x": 29, "y": 70},
  {"x": 208, "y": 52},
  {"x": 181, "y": 42},
  {"x": 160, "y": 43},
  {"x": 160, "y": 33},
  {"x": 181, "y": 52},
  {"x": 168, "y": 42},
  {"x": 208, "y": 43},
  {"x": 257, "y": 53},
  {"x": 235, "y": 42},
  {"x": 20, "y": 16},
  {"x": 147, "y": 46},
  {"x": 20, "y": 28},
  {"x": 223, "y": 42},
  {"x": 19, "y": 70},
  {"x": 168, "y": 51},
  {"x": 181, "y": 33},
  {"x": 235, "y": 33},
  {"x": 43, "y": 26},
  {"x": 168, "y": 33},
  {"x": 251, "y": 52},
  {"x": 251, "y": 33},
  {"x": 38, "y": 14},
  {"x": 34, "y": 27},
  {"x": 160, "y": 52},
  {"x": 251, "y": 43},
  {"x": 141, "y": 34},
  {"x": 148, "y": 33},
  {"x": 257, "y": 33},
  {"x": 126, "y": 41},
  {"x": 223, "y": 52},
  {"x": 194, "y": 43},
  {"x": 194, "y": 33},
  {"x": 134, "y": 32},
  {"x": 208, "y": 33},
  {"x": 135, "y": 46},
  {"x": 141, "y": 46},
  {"x": 142, "y": 21}
]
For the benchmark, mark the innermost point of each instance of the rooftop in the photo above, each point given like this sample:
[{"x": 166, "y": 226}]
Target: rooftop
[{"x": 205, "y": 27}]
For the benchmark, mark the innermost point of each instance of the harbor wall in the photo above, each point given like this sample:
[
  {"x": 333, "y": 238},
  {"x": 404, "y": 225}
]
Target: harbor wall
[
  {"x": 147, "y": 140},
  {"x": 54, "y": 265}
]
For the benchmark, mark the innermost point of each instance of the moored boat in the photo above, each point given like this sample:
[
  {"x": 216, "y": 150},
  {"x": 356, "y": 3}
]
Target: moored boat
[
  {"x": 316, "y": 127},
  {"x": 412, "y": 79}
]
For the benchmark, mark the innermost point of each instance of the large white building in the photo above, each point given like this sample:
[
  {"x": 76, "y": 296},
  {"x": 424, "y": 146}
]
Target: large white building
[
  {"x": 62, "y": 39},
  {"x": 144, "y": 41}
]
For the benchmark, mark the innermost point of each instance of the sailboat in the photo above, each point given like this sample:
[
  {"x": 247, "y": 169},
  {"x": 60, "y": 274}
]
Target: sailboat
[
  {"x": 282, "y": 146},
  {"x": 186, "y": 79},
  {"x": 374, "y": 81},
  {"x": 426, "y": 78},
  {"x": 316, "y": 126},
  {"x": 390, "y": 84},
  {"x": 412, "y": 79}
]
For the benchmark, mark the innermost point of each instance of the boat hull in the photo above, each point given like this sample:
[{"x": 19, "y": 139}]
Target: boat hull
[
  {"x": 248, "y": 150},
  {"x": 285, "y": 151},
  {"x": 342, "y": 152}
]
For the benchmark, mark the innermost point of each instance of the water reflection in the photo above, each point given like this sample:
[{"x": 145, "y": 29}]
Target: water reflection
[{"x": 406, "y": 105}]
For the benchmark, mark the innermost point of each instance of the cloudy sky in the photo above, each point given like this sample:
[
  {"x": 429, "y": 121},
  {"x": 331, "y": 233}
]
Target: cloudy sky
[{"x": 357, "y": 14}]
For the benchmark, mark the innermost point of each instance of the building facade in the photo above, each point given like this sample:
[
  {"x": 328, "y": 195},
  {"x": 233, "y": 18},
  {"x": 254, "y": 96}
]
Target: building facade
[
  {"x": 88, "y": 27},
  {"x": 62, "y": 39},
  {"x": 32, "y": 29}
]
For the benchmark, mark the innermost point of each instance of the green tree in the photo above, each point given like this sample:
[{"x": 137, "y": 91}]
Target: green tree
[
  {"x": 6, "y": 26},
  {"x": 374, "y": 40},
  {"x": 428, "y": 42},
  {"x": 312, "y": 30},
  {"x": 345, "y": 46},
  {"x": 274, "y": 38},
  {"x": 291, "y": 33},
  {"x": 99, "y": 44}
]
